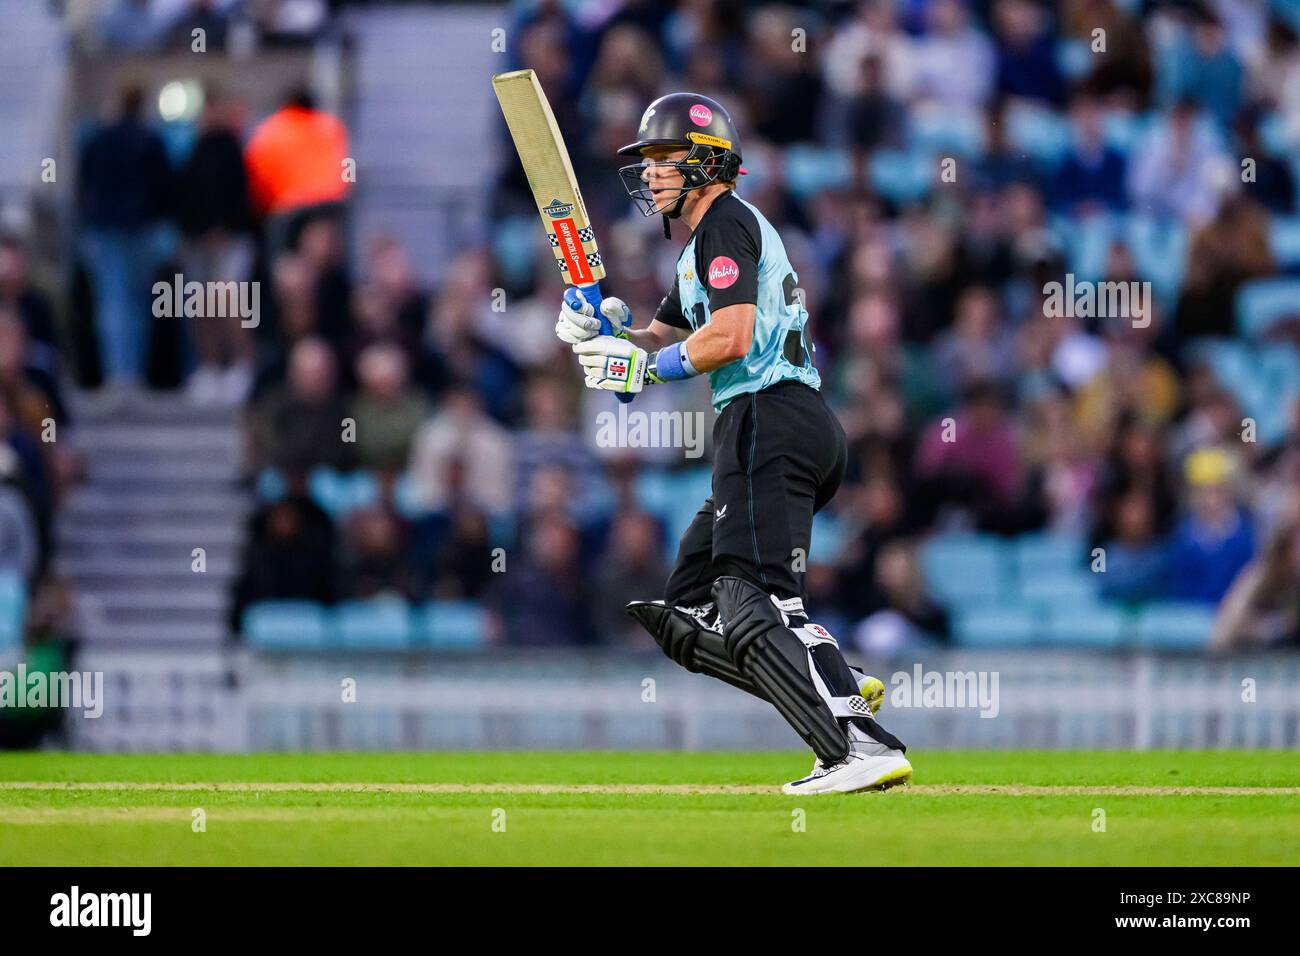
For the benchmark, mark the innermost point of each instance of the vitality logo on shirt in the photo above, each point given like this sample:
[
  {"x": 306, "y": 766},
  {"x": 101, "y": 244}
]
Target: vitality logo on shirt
[{"x": 723, "y": 272}]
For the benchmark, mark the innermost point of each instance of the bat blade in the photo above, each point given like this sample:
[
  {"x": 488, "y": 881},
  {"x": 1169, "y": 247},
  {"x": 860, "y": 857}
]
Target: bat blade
[{"x": 550, "y": 175}]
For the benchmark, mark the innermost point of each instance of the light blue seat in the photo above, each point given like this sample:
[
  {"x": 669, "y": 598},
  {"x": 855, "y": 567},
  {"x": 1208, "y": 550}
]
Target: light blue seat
[
  {"x": 903, "y": 176},
  {"x": 376, "y": 624},
  {"x": 812, "y": 169},
  {"x": 1087, "y": 243},
  {"x": 1123, "y": 130},
  {"x": 946, "y": 132},
  {"x": 329, "y": 489},
  {"x": 654, "y": 490},
  {"x": 1262, "y": 303},
  {"x": 1174, "y": 625},
  {"x": 1159, "y": 251},
  {"x": 688, "y": 490},
  {"x": 1279, "y": 366},
  {"x": 1074, "y": 58},
  {"x": 1087, "y": 625},
  {"x": 1273, "y": 132},
  {"x": 1043, "y": 134},
  {"x": 405, "y": 498},
  {"x": 271, "y": 485},
  {"x": 13, "y": 609},
  {"x": 514, "y": 244},
  {"x": 1060, "y": 588},
  {"x": 1010, "y": 625},
  {"x": 966, "y": 568},
  {"x": 362, "y": 489},
  {"x": 830, "y": 535},
  {"x": 285, "y": 626},
  {"x": 1284, "y": 241},
  {"x": 1045, "y": 552},
  {"x": 452, "y": 626},
  {"x": 1227, "y": 358}
]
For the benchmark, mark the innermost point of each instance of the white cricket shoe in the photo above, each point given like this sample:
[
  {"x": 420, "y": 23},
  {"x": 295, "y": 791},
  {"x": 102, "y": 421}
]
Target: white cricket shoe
[
  {"x": 870, "y": 765},
  {"x": 855, "y": 772}
]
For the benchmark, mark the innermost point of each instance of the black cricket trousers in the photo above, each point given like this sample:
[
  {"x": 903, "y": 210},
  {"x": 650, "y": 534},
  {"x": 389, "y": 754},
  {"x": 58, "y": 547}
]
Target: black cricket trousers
[{"x": 779, "y": 457}]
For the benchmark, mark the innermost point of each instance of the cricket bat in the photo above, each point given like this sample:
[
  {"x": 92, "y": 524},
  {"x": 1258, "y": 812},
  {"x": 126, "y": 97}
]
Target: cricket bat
[{"x": 554, "y": 186}]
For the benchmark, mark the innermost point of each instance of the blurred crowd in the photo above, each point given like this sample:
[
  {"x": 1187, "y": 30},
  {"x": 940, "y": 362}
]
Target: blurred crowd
[
  {"x": 153, "y": 26},
  {"x": 469, "y": 422}
]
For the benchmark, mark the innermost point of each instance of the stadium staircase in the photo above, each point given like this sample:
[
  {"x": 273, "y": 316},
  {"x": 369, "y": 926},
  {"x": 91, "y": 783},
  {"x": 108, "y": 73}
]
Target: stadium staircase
[{"x": 161, "y": 480}]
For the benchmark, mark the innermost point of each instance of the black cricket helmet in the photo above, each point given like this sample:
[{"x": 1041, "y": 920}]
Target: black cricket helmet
[{"x": 687, "y": 121}]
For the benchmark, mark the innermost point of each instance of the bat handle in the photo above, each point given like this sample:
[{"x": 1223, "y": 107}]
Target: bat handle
[{"x": 592, "y": 294}]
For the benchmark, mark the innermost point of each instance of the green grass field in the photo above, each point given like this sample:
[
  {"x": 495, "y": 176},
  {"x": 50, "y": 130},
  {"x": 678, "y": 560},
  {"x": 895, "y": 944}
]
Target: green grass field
[{"x": 964, "y": 808}]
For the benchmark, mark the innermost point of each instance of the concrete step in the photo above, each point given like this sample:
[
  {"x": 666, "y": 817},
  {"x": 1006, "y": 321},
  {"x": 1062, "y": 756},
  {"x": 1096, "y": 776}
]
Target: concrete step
[
  {"x": 141, "y": 408},
  {"x": 112, "y": 471},
  {"x": 206, "y": 634},
  {"x": 221, "y": 540},
  {"x": 181, "y": 597},
  {"x": 199, "y": 438},
  {"x": 123, "y": 573},
  {"x": 227, "y": 505}
]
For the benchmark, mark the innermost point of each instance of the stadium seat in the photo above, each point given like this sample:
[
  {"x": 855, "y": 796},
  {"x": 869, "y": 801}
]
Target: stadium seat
[
  {"x": 829, "y": 534},
  {"x": 1087, "y": 243},
  {"x": 903, "y": 176},
  {"x": 1263, "y": 303},
  {"x": 1279, "y": 364},
  {"x": 380, "y": 624},
  {"x": 1040, "y": 132},
  {"x": 1284, "y": 241},
  {"x": 997, "y": 626},
  {"x": 1074, "y": 58},
  {"x": 946, "y": 132},
  {"x": 1059, "y": 588},
  {"x": 404, "y": 498},
  {"x": 271, "y": 485},
  {"x": 513, "y": 242},
  {"x": 1093, "y": 626},
  {"x": 1123, "y": 130},
  {"x": 329, "y": 489},
  {"x": 452, "y": 626},
  {"x": 812, "y": 169},
  {"x": 13, "y": 609},
  {"x": 1159, "y": 252},
  {"x": 966, "y": 569},
  {"x": 690, "y": 489},
  {"x": 1045, "y": 552},
  {"x": 1174, "y": 625},
  {"x": 285, "y": 626},
  {"x": 1274, "y": 132}
]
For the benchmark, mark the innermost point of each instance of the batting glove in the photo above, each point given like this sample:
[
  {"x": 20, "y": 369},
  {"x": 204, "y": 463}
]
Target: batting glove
[
  {"x": 614, "y": 364},
  {"x": 573, "y": 327}
]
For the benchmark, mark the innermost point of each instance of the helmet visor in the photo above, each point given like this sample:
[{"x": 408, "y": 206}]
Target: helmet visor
[{"x": 654, "y": 185}]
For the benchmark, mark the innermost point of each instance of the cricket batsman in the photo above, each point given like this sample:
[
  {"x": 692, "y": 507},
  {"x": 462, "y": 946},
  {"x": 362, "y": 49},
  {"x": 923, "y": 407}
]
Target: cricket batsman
[{"x": 734, "y": 603}]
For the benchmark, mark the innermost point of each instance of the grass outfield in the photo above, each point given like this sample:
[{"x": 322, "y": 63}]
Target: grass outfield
[{"x": 965, "y": 808}]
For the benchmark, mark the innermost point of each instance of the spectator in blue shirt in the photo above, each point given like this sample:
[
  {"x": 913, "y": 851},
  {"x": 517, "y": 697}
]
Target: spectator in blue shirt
[
  {"x": 1026, "y": 56},
  {"x": 1091, "y": 177},
  {"x": 1215, "y": 540}
]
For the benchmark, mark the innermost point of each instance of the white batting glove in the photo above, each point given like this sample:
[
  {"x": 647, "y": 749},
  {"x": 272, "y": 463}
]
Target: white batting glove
[
  {"x": 574, "y": 327},
  {"x": 613, "y": 364}
]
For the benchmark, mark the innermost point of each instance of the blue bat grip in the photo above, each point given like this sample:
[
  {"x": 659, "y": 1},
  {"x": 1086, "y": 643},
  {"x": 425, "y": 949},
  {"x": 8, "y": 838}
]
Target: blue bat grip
[{"x": 592, "y": 294}]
